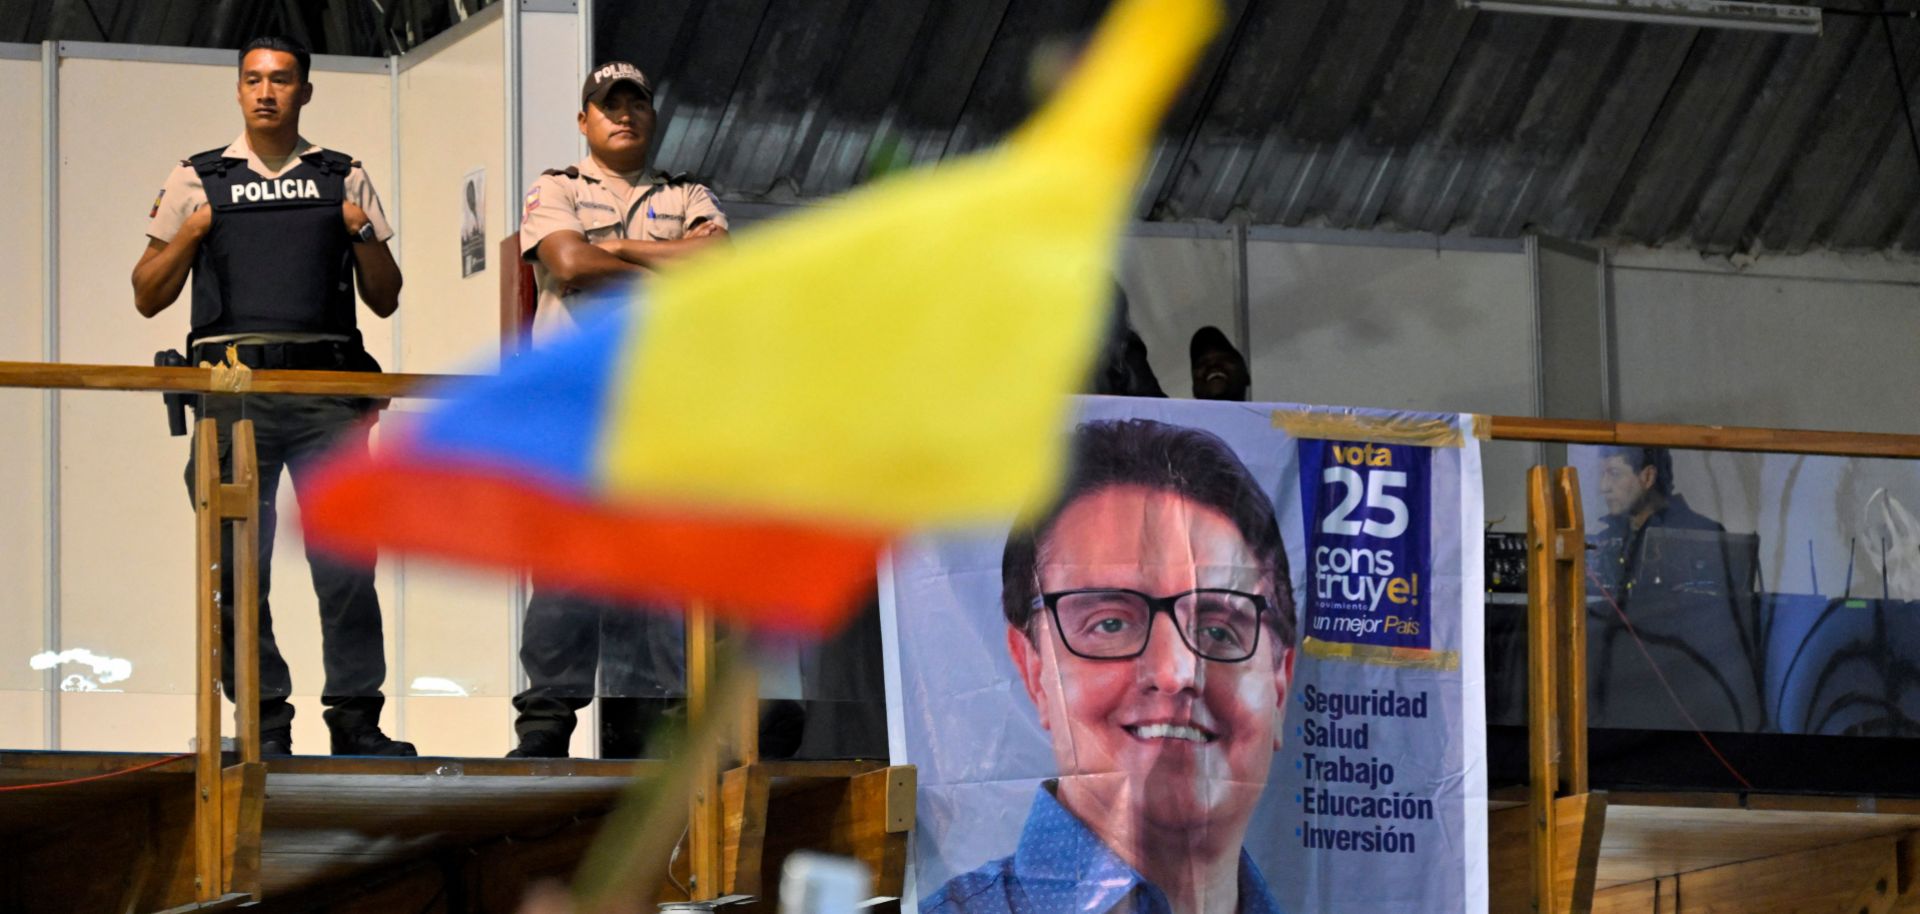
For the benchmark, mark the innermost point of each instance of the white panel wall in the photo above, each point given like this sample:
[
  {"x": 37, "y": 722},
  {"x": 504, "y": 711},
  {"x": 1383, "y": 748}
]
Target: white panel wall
[
  {"x": 22, "y": 439},
  {"x": 457, "y": 625},
  {"x": 1811, "y": 342},
  {"x": 1400, "y": 328},
  {"x": 451, "y": 122},
  {"x": 123, "y": 501},
  {"x": 1174, "y": 287}
]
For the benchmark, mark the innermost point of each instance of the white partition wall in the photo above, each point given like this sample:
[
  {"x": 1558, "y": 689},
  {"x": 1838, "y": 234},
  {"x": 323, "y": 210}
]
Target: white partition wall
[
  {"x": 1175, "y": 285},
  {"x": 456, "y": 627},
  {"x": 1436, "y": 325},
  {"x": 1818, "y": 341},
  {"x": 23, "y": 442}
]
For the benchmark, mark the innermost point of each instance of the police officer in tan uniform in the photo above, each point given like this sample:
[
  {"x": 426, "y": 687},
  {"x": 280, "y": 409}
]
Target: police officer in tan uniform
[
  {"x": 275, "y": 234},
  {"x": 608, "y": 216},
  {"x": 605, "y": 218}
]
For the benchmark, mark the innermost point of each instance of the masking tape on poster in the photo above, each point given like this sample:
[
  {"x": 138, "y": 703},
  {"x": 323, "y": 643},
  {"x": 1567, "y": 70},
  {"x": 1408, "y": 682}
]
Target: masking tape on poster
[
  {"x": 1422, "y": 430},
  {"x": 1380, "y": 655}
]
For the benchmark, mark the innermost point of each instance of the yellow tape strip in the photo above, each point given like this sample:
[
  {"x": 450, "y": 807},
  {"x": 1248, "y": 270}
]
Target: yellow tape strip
[
  {"x": 1426, "y": 431},
  {"x": 234, "y": 376},
  {"x": 1377, "y": 655}
]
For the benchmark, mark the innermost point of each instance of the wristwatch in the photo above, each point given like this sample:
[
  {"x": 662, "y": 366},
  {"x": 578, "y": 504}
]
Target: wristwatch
[{"x": 365, "y": 235}]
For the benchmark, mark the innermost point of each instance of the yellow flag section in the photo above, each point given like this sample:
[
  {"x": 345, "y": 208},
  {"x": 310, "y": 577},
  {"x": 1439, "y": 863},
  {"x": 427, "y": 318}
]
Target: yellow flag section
[{"x": 902, "y": 356}]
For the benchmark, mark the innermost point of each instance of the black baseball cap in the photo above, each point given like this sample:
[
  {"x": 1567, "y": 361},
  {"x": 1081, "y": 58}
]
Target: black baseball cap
[
  {"x": 612, "y": 73},
  {"x": 1209, "y": 339}
]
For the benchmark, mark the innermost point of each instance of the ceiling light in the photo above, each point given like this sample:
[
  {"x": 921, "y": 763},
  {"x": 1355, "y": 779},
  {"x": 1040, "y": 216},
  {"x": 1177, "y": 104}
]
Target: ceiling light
[{"x": 1713, "y": 14}]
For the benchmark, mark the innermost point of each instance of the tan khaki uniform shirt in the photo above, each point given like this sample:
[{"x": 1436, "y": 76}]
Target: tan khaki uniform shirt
[
  {"x": 600, "y": 205},
  {"x": 183, "y": 193}
]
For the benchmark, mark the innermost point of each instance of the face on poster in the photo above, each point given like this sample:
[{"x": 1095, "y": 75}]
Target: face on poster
[{"x": 1111, "y": 706}]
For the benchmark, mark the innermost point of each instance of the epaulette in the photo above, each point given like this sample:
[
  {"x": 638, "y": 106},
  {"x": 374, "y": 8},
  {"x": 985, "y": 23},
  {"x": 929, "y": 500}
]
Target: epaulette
[
  {"x": 571, "y": 171},
  {"x": 337, "y": 162},
  {"x": 213, "y": 161}
]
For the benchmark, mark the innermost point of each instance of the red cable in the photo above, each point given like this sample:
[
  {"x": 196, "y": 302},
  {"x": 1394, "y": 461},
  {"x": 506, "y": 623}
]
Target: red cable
[
  {"x": 99, "y": 777},
  {"x": 1677, "y": 703}
]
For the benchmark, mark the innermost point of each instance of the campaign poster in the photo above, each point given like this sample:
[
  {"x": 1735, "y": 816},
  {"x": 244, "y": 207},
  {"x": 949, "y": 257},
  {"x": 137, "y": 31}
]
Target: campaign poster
[
  {"x": 473, "y": 225},
  {"x": 1234, "y": 666}
]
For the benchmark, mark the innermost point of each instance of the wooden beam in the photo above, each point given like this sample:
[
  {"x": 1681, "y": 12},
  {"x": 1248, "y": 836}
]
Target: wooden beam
[
  {"x": 1705, "y": 437},
  {"x": 245, "y": 787},
  {"x": 1510, "y": 860},
  {"x": 1842, "y": 878},
  {"x": 743, "y": 797},
  {"x": 1543, "y": 715},
  {"x": 705, "y": 828},
  {"x": 1906, "y": 862},
  {"x": 53, "y": 375},
  {"x": 206, "y": 775},
  {"x": 246, "y": 595},
  {"x": 1570, "y": 599},
  {"x": 56, "y": 375},
  {"x": 854, "y": 818},
  {"x": 1579, "y": 822},
  {"x": 882, "y": 807}
]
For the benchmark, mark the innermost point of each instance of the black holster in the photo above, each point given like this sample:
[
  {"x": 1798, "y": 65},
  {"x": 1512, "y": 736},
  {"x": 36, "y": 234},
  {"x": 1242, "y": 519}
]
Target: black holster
[{"x": 176, "y": 402}]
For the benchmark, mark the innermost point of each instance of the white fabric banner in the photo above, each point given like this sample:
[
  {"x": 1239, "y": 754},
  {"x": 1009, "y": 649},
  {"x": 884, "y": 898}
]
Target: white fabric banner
[{"x": 1235, "y": 669}]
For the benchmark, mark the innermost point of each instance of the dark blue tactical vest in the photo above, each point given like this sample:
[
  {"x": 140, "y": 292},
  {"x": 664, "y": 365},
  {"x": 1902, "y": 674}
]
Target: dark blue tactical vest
[{"x": 277, "y": 258}]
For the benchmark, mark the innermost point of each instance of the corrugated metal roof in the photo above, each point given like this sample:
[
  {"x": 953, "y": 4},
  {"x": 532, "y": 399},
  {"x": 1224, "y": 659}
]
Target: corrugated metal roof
[{"x": 1367, "y": 114}]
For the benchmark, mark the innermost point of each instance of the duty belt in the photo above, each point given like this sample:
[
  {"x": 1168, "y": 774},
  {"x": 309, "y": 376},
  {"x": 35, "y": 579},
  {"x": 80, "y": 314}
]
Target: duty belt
[{"x": 338, "y": 355}]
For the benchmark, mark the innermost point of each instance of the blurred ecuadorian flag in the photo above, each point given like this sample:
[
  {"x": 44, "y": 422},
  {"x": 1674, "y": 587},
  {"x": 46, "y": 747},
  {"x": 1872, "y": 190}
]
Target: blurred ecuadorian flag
[{"x": 757, "y": 422}]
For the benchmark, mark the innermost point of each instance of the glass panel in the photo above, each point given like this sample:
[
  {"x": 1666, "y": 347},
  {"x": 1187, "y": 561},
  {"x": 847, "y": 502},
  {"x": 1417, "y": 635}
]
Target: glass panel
[
  {"x": 1760, "y": 593},
  {"x": 1504, "y": 469}
]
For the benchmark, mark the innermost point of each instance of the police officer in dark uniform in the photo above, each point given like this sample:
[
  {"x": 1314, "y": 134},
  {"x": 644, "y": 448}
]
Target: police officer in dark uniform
[{"x": 276, "y": 233}]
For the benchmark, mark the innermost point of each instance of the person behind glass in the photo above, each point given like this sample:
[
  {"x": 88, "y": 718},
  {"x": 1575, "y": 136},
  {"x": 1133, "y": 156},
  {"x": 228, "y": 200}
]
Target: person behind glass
[
  {"x": 1637, "y": 485},
  {"x": 1219, "y": 372},
  {"x": 602, "y": 220},
  {"x": 276, "y": 234},
  {"x": 1150, "y": 618}
]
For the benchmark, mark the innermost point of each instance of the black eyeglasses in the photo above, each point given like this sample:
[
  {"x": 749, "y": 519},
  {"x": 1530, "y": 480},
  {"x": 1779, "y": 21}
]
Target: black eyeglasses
[{"x": 1114, "y": 624}]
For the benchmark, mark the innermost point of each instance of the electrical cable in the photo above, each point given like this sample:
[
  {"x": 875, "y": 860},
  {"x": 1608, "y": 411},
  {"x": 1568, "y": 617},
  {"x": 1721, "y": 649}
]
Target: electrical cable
[
  {"x": 1677, "y": 703},
  {"x": 97, "y": 777}
]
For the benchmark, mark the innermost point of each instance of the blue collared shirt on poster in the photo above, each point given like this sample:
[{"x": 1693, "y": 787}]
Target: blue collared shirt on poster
[{"x": 1061, "y": 867}]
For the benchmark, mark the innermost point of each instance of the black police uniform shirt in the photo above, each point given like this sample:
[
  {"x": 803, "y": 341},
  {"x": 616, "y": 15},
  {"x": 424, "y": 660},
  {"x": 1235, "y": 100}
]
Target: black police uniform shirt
[{"x": 185, "y": 191}]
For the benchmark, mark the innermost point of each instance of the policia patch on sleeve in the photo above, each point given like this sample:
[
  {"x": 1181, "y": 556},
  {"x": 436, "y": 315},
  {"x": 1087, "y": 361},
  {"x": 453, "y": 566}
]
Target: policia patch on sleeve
[{"x": 155, "y": 211}]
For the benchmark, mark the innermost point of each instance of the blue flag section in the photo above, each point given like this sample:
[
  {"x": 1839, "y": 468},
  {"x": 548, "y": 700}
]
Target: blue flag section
[
  {"x": 1367, "y": 551},
  {"x": 1235, "y": 664}
]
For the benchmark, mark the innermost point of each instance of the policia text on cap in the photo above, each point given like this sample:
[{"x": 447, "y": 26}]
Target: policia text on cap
[{"x": 276, "y": 233}]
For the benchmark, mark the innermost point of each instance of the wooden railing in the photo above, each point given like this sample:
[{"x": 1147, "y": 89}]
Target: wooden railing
[{"x": 1498, "y": 428}]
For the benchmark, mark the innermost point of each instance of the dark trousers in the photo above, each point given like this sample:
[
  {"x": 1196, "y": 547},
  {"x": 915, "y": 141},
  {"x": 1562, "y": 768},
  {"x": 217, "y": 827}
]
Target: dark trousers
[
  {"x": 566, "y": 637},
  {"x": 289, "y": 433}
]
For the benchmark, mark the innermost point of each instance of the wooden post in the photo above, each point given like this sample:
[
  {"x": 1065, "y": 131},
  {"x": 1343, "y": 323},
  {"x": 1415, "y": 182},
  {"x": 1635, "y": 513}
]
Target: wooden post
[
  {"x": 240, "y": 502},
  {"x": 705, "y": 826},
  {"x": 1543, "y": 755},
  {"x": 1566, "y": 818},
  {"x": 1570, "y": 593},
  {"x": 207, "y": 820}
]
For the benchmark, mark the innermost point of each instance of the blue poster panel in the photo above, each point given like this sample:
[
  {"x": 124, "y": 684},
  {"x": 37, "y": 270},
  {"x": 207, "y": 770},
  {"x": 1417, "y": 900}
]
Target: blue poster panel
[{"x": 1235, "y": 666}]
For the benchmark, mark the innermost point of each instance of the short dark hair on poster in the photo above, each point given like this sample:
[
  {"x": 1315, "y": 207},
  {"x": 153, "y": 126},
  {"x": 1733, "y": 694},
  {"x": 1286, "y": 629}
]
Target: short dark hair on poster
[
  {"x": 301, "y": 57},
  {"x": 1194, "y": 464}
]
